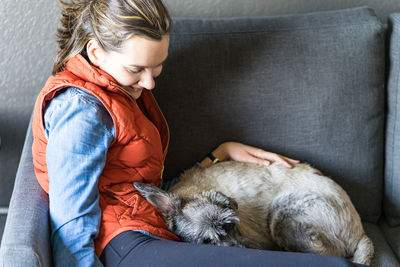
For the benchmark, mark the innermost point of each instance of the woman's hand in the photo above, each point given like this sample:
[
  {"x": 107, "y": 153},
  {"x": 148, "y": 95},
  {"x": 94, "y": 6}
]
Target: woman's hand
[{"x": 244, "y": 153}]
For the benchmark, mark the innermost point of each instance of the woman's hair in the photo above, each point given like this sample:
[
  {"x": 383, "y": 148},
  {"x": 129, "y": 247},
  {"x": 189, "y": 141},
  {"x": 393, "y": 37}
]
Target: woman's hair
[{"x": 110, "y": 22}]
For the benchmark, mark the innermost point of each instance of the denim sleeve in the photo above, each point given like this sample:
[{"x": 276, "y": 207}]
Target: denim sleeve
[{"x": 79, "y": 131}]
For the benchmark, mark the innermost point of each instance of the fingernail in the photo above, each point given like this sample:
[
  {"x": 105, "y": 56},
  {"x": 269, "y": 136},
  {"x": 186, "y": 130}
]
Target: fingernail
[{"x": 288, "y": 165}]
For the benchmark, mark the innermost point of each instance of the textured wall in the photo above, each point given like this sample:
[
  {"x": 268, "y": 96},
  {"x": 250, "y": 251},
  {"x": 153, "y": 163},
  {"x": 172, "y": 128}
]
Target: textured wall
[
  {"x": 26, "y": 52},
  {"x": 229, "y": 8},
  {"x": 27, "y": 48}
]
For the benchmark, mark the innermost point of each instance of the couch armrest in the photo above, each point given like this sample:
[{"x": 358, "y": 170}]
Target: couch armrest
[{"x": 26, "y": 239}]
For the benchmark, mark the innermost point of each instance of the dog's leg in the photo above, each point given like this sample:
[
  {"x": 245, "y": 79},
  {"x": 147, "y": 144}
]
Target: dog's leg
[
  {"x": 293, "y": 226},
  {"x": 292, "y": 235}
]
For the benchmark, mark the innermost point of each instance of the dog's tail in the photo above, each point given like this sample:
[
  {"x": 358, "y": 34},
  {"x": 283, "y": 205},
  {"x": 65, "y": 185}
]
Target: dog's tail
[{"x": 364, "y": 251}]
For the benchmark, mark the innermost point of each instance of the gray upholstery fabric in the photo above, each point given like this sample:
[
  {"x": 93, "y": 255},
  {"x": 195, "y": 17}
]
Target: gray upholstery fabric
[
  {"x": 392, "y": 171},
  {"x": 392, "y": 235},
  {"x": 307, "y": 86},
  {"x": 26, "y": 239},
  {"x": 384, "y": 256}
]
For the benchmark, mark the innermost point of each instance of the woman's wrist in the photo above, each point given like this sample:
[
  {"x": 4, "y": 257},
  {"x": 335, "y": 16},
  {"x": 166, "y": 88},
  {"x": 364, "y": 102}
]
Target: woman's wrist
[
  {"x": 221, "y": 152},
  {"x": 213, "y": 158},
  {"x": 217, "y": 155}
]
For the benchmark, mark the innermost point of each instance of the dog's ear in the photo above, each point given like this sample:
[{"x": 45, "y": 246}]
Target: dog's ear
[
  {"x": 166, "y": 203},
  {"x": 219, "y": 198}
]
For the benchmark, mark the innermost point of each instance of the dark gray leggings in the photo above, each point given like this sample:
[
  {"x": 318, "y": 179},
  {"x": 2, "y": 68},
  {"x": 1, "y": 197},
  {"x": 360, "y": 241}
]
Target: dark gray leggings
[{"x": 136, "y": 249}]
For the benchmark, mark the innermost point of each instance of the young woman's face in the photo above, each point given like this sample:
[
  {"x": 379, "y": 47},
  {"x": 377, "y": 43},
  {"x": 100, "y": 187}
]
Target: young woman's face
[{"x": 137, "y": 64}]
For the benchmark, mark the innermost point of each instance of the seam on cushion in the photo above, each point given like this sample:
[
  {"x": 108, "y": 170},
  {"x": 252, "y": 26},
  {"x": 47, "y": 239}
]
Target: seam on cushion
[
  {"x": 395, "y": 126},
  {"x": 397, "y": 83},
  {"x": 279, "y": 30}
]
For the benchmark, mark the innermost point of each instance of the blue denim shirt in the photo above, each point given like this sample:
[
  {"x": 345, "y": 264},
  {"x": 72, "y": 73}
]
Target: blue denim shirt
[{"x": 79, "y": 130}]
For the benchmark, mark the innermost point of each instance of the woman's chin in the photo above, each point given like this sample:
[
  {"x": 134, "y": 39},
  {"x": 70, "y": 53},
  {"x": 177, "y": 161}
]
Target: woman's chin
[
  {"x": 136, "y": 95},
  {"x": 135, "y": 92}
]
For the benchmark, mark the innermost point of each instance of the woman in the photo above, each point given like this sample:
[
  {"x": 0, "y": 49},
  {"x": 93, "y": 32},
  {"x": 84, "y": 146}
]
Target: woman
[{"x": 97, "y": 129}]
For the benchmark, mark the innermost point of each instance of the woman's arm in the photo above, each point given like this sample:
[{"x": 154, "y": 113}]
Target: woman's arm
[
  {"x": 79, "y": 132},
  {"x": 244, "y": 153}
]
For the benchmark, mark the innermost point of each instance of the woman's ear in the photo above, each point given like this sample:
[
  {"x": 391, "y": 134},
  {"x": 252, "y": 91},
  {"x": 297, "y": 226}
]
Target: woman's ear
[{"x": 95, "y": 52}]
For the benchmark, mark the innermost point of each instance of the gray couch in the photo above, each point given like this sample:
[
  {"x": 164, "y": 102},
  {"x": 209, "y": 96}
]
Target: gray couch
[{"x": 320, "y": 87}]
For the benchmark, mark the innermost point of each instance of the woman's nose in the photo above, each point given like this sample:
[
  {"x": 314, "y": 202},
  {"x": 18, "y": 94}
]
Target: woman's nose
[{"x": 147, "y": 80}]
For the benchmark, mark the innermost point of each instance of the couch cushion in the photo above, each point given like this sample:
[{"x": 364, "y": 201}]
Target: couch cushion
[
  {"x": 384, "y": 255},
  {"x": 392, "y": 171},
  {"x": 308, "y": 86},
  {"x": 392, "y": 235}
]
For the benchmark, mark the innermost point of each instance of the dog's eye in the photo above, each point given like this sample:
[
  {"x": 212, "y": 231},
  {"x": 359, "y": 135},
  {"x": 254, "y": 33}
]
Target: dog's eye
[
  {"x": 228, "y": 226},
  {"x": 206, "y": 241}
]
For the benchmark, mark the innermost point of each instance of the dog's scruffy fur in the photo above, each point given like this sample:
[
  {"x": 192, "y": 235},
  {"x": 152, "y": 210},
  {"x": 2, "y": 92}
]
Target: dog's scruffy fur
[{"x": 254, "y": 206}]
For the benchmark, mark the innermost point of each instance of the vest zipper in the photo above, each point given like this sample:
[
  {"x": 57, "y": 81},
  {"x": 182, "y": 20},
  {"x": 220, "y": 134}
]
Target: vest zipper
[
  {"x": 123, "y": 89},
  {"x": 166, "y": 123},
  {"x": 159, "y": 109}
]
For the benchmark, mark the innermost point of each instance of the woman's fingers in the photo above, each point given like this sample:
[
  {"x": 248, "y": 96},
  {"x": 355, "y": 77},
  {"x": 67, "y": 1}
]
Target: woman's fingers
[
  {"x": 269, "y": 156},
  {"x": 282, "y": 160},
  {"x": 245, "y": 153}
]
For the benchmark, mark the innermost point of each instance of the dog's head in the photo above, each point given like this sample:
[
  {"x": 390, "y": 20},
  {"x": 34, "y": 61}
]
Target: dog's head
[{"x": 207, "y": 218}]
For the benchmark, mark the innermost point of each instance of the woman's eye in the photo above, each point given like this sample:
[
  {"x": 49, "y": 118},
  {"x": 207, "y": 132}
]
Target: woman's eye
[{"x": 134, "y": 71}]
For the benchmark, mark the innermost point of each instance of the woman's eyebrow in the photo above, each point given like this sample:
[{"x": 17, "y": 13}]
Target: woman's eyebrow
[{"x": 144, "y": 67}]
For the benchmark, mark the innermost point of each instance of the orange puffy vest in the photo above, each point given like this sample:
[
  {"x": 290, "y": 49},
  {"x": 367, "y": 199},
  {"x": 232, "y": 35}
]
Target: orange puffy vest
[{"x": 137, "y": 152}]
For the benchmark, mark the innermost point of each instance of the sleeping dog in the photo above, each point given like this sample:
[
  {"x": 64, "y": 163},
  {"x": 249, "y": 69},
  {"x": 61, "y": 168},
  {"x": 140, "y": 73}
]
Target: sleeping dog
[{"x": 263, "y": 207}]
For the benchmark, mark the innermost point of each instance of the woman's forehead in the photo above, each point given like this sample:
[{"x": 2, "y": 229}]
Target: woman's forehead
[{"x": 141, "y": 51}]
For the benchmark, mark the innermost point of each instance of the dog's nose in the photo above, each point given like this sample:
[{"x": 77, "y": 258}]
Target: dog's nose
[{"x": 207, "y": 241}]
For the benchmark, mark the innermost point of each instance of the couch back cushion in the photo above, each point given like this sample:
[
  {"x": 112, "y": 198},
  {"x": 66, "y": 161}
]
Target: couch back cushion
[
  {"x": 307, "y": 86},
  {"x": 392, "y": 170}
]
